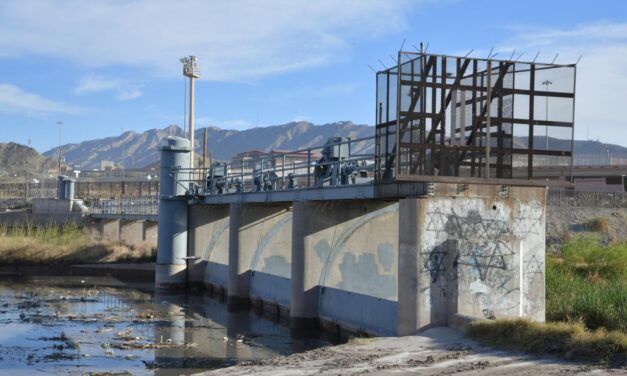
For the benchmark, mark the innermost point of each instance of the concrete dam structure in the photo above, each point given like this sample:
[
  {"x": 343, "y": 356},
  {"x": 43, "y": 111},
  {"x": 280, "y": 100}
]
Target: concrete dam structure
[{"x": 423, "y": 225}]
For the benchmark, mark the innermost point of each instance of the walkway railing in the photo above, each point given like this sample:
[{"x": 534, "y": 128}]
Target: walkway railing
[{"x": 340, "y": 162}]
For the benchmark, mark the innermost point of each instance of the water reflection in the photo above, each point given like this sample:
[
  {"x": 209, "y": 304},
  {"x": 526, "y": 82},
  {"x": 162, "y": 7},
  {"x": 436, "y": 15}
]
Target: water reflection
[{"x": 71, "y": 325}]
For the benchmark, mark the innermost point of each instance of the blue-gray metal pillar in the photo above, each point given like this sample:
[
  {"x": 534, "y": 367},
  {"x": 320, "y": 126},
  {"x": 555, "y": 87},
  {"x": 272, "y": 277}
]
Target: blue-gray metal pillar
[
  {"x": 69, "y": 188},
  {"x": 172, "y": 231},
  {"x": 61, "y": 187}
]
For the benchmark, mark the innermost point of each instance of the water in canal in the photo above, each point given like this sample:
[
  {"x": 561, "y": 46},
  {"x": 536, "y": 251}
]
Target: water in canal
[{"x": 77, "y": 326}]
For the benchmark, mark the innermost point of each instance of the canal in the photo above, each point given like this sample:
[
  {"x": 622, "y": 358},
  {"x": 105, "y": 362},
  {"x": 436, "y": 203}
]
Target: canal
[{"x": 80, "y": 325}]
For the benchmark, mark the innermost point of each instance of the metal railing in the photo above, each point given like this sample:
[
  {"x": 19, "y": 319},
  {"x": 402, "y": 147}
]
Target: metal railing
[
  {"x": 340, "y": 163},
  {"x": 587, "y": 199},
  {"x": 147, "y": 205}
]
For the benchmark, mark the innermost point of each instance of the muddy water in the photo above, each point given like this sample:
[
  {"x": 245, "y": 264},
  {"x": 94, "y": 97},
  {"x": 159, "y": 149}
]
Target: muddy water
[{"x": 77, "y": 326}]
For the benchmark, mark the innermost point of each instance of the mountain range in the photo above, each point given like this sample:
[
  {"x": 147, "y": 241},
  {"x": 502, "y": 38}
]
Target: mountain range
[{"x": 137, "y": 150}]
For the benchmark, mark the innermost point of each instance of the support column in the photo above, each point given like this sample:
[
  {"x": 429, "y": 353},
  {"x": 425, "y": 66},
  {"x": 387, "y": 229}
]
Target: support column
[
  {"x": 238, "y": 282},
  {"x": 408, "y": 272},
  {"x": 304, "y": 299}
]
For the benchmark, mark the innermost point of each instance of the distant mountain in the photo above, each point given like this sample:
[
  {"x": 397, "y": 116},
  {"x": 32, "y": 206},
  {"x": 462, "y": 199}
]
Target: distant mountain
[
  {"x": 138, "y": 150},
  {"x": 141, "y": 149},
  {"x": 24, "y": 161}
]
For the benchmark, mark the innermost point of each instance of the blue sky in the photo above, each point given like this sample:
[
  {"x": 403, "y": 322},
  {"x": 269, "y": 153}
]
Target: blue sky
[{"x": 106, "y": 66}]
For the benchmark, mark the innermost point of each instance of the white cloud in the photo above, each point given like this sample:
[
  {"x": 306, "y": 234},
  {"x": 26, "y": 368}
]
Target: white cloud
[
  {"x": 238, "y": 124},
  {"x": 300, "y": 118},
  {"x": 235, "y": 40},
  {"x": 16, "y": 100},
  {"x": 601, "y": 73},
  {"x": 124, "y": 90}
]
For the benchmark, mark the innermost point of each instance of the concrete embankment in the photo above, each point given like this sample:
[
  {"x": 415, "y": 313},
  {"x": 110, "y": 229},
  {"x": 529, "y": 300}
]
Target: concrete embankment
[{"x": 437, "y": 351}]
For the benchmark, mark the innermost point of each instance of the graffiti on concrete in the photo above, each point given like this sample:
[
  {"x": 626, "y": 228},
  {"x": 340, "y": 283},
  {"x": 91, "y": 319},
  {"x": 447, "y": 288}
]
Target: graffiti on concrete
[
  {"x": 483, "y": 242},
  {"x": 329, "y": 253},
  {"x": 474, "y": 238},
  {"x": 533, "y": 268},
  {"x": 528, "y": 219},
  {"x": 360, "y": 274},
  {"x": 277, "y": 265},
  {"x": 433, "y": 262},
  {"x": 385, "y": 254}
]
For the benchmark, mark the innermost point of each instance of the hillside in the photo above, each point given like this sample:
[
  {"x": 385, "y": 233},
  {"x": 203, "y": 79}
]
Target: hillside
[
  {"x": 137, "y": 150},
  {"x": 23, "y": 160}
]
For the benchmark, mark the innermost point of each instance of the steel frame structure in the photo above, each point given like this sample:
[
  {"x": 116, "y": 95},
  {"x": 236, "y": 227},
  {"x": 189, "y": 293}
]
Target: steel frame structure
[{"x": 461, "y": 119}]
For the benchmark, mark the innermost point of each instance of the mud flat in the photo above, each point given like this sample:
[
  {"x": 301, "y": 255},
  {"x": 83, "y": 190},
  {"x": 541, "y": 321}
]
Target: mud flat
[{"x": 437, "y": 351}]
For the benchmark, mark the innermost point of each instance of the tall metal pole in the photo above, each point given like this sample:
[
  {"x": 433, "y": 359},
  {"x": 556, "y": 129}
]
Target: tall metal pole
[
  {"x": 191, "y": 120},
  {"x": 191, "y": 70}
]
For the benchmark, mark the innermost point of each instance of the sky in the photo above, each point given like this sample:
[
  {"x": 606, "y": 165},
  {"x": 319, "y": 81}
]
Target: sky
[{"x": 105, "y": 67}]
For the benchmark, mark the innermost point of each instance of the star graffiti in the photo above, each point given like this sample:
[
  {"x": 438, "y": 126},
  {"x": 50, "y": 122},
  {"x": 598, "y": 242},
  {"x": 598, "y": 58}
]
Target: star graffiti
[
  {"x": 527, "y": 220},
  {"x": 485, "y": 256},
  {"x": 471, "y": 225},
  {"x": 434, "y": 263},
  {"x": 533, "y": 268}
]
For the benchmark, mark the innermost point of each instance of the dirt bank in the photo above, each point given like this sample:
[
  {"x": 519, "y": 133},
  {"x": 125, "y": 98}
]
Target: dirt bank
[
  {"x": 564, "y": 222},
  {"x": 437, "y": 351}
]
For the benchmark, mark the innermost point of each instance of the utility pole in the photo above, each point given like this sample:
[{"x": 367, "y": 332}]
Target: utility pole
[
  {"x": 547, "y": 83},
  {"x": 60, "y": 123},
  {"x": 191, "y": 70},
  {"x": 123, "y": 149}
]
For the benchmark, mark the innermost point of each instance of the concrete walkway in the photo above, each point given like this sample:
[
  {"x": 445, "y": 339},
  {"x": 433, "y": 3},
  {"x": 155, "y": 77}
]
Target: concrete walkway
[{"x": 437, "y": 351}]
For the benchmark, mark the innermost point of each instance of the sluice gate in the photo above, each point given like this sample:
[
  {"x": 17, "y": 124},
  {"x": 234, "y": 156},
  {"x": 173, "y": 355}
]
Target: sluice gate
[{"x": 436, "y": 220}]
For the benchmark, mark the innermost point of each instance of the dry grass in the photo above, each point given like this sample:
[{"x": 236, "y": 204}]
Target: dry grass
[
  {"x": 569, "y": 340},
  {"x": 63, "y": 245},
  {"x": 598, "y": 224}
]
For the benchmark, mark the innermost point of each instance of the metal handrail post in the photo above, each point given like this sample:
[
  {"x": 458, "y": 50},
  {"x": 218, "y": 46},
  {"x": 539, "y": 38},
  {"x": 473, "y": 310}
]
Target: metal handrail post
[{"x": 308, "y": 167}]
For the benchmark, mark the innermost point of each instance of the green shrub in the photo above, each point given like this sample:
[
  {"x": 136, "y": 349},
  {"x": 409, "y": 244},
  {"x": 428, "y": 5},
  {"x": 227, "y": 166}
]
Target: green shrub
[{"x": 587, "y": 282}]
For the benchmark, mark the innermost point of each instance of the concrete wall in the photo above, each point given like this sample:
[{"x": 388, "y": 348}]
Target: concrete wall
[
  {"x": 150, "y": 231},
  {"x": 260, "y": 252},
  {"x": 131, "y": 232},
  {"x": 479, "y": 255},
  {"x": 345, "y": 254},
  {"x": 51, "y": 205},
  {"x": 382, "y": 267},
  {"x": 266, "y": 247},
  {"x": 209, "y": 241}
]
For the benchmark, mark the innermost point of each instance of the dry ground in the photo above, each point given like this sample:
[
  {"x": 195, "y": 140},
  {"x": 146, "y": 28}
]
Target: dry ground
[{"x": 437, "y": 351}]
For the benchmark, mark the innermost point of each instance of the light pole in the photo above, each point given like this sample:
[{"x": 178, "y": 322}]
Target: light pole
[
  {"x": 609, "y": 158},
  {"x": 191, "y": 70},
  {"x": 123, "y": 148},
  {"x": 547, "y": 83}
]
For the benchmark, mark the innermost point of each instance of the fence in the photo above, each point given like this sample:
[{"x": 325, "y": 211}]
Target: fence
[
  {"x": 148, "y": 205},
  {"x": 587, "y": 199}
]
